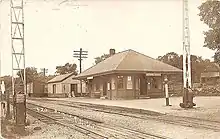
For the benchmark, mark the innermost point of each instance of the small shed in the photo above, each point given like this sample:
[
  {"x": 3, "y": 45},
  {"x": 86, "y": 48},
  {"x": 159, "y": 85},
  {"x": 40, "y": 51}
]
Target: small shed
[
  {"x": 211, "y": 74},
  {"x": 36, "y": 89},
  {"x": 65, "y": 86}
]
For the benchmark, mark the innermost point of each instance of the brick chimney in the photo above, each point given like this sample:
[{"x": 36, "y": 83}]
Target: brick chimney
[{"x": 111, "y": 52}]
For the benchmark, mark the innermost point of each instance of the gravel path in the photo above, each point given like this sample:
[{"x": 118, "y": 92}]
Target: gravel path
[
  {"x": 207, "y": 107},
  {"x": 149, "y": 126}
]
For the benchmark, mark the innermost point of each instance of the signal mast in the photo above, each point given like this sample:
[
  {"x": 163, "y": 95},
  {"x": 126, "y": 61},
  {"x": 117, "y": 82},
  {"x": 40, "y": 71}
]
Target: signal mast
[{"x": 187, "y": 80}]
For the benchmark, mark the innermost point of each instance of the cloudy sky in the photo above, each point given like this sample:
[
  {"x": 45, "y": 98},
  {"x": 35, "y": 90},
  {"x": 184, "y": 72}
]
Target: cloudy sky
[{"x": 53, "y": 31}]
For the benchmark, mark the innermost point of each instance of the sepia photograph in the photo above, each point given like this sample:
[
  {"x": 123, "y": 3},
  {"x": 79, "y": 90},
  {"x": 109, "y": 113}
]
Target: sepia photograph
[{"x": 110, "y": 69}]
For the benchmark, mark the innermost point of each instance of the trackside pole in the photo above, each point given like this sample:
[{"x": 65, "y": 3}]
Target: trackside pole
[{"x": 166, "y": 91}]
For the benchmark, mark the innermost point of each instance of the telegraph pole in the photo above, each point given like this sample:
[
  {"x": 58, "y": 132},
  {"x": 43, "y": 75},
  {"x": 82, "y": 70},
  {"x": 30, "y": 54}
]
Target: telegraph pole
[
  {"x": 80, "y": 55},
  {"x": 44, "y": 71},
  {"x": 187, "y": 81}
]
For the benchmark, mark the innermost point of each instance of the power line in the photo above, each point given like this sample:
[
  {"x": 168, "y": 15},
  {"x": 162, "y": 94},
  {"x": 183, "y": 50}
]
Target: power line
[{"x": 80, "y": 55}]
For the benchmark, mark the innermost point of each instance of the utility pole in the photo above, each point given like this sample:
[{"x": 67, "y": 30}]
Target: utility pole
[
  {"x": 18, "y": 63},
  {"x": 80, "y": 55},
  {"x": 187, "y": 81},
  {"x": 44, "y": 71}
]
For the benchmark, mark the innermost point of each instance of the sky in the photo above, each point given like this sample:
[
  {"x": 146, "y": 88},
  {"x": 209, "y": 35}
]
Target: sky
[{"x": 53, "y": 31}]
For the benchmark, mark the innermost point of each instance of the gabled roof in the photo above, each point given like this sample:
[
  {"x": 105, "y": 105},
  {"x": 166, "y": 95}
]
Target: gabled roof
[
  {"x": 128, "y": 61},
  {"x": 60, "y": 78},
  {"x": 212, "y": 67}
]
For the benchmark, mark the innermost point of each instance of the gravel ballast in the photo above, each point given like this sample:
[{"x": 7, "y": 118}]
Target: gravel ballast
[{"x": 149, "y": 126}]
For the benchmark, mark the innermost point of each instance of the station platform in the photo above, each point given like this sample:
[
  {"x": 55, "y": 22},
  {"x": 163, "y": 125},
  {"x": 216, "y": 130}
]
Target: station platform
[{"x": 206, "y": 107}]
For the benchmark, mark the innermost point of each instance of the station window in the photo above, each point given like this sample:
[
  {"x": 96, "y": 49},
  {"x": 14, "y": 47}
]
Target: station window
[
  {"x": 129, "y": 82},
  {"x": 120, "y": 82},
  {"x": 154, "y": 83}
]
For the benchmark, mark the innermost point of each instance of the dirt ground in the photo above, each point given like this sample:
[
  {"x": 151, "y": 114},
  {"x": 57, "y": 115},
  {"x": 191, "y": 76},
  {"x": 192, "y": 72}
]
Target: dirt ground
[
  {"x": 149, "y": 126},
  {"x": 207, "y": 107}
]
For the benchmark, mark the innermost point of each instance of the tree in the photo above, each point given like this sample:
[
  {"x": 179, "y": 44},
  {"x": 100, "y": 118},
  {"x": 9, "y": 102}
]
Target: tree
[
  {"x": 31, "y": 74},
  {"x": 172, "y": 59},
  {"x": 197, "y": 63},
  {"x": 67, "y": 68},
  {"x": 210, "y": 15},
  {"x": 101, "y": 58}
]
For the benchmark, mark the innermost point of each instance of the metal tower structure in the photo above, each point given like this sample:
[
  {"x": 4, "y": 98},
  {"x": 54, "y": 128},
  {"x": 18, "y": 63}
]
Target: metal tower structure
[
  {"x": 17, "y": 45},
  {"x": 186, "y": 47},
  {"x": 187, "y": 80}
]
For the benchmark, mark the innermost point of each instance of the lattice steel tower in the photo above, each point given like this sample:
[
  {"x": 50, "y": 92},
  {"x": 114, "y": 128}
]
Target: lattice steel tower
[
  {"x": 187, "y": 81},
  {"x": 186, "y": 47},
  {"x": 17, "y": 45}
]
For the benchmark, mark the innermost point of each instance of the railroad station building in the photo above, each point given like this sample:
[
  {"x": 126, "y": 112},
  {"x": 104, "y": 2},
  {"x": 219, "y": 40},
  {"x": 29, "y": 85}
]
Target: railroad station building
[
  {"x": 127, "y": 75},
  {"x": 211, "y": 74},
  {"x": 64, "y": 86}
]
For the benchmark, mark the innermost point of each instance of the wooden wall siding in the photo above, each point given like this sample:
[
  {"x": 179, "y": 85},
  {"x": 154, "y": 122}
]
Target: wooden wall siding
[
  {"x": 66, "y": 88},
  {"x": 58, "y": 88},
  {"x": 50, "y": 88},
  {"x": 152, "y": 91},
  {"x": 128, "y": 92},
  {"x": 101, "y": 88},
  {"x": 35, "y": 88},
  {"x": 67, "y": 83},
  {"x": 94, "y": 88},
  {"x": 38, "y": 88},
  {"x": 143, "y": 85},
  {"x": 139, "y": 87}
]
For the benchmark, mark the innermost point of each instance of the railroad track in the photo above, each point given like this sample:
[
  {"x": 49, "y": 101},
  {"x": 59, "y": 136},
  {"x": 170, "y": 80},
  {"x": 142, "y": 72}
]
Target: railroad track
[
  {"x": 90, "y": 127},
  {"x": 176, "y": 120},
  {"x": 54, "y": 117}
]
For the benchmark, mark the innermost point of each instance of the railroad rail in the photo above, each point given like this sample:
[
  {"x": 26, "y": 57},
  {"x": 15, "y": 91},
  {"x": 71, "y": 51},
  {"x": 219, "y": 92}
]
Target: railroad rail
[
  {"x": 137, "y": 113},
  {"x": 90, "y": 127}
]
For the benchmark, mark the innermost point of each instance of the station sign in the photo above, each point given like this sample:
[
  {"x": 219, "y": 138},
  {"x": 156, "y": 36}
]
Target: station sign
[
  {"x": 153, "y": 74},
  {"x": 90, "y": 78}
]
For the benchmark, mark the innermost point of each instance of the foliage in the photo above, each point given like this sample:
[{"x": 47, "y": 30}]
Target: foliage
[
  {"x": 101, "y": 58},
  {"x": 171, "y": 58},
  {"x": 67, "y": 68},
  {"x": 198, "y": 65},
  {"x": 210, "y": 15},
  {"x": 30, "y": 72}
]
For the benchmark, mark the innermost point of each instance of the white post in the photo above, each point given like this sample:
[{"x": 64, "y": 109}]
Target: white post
[{"x": 166, "y": 90}]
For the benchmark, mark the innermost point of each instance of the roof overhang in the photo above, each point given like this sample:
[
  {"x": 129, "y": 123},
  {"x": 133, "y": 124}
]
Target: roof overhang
[{"x": 152, "y": 73}]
